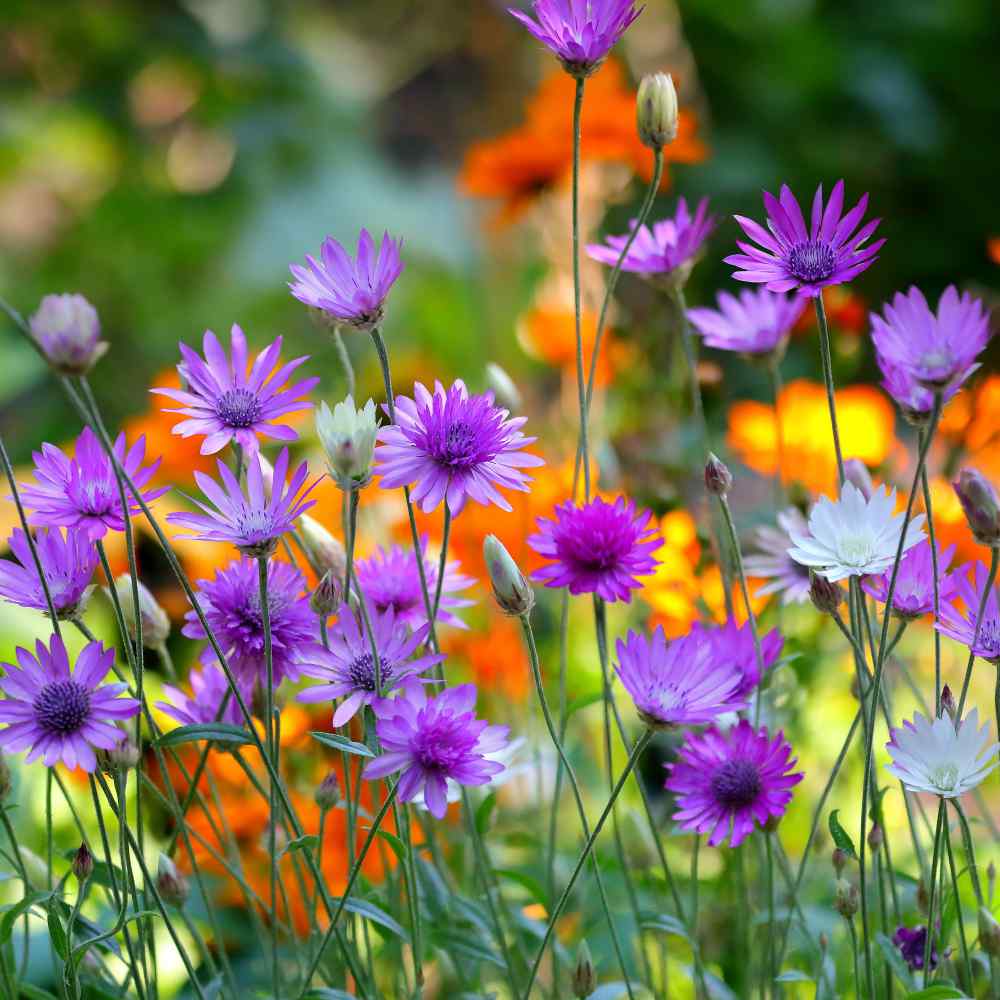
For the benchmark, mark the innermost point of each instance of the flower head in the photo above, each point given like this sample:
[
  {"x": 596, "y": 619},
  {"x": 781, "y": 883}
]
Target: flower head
[
  {"x": 352, "y": 292},
  {"x": 915, "y": 401},
  {"x": 912, "y": 943},
  {"x": 771, "y": 561},
  {"x": 599, "y": 548},
  {"x": 726, "y": 783},
  {"x": 853, "y": 536},
  {"x": 940, "y": 756},
  {"x": 731, "y": 646},
  {"x": 208, "y": 690},
  {"x": 348, "y": 669},
  {"x": 68, "y": 563},
  {"x": 348, "y": 438},
  {"x": 831, "y": 252},
  {"x": 227, "y": 403},
  {"x": 757, "y": 322},
  {"x": 82, "y": 491},
  {"x": 68, "y": 332},
  {"x": 914, "y": 592},
  {"x": 58, "y": 714},
  {"x": 452, "y": 446},
  {"x": 961, "y": 624}
]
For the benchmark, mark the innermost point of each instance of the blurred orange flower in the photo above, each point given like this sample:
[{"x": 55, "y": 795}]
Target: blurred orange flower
[
  {"x": 550, "y": 335},
  {"x": 993, "y": 249},
  {"x": 845, "y": 310},
  {"x": 495, "y": 655}
]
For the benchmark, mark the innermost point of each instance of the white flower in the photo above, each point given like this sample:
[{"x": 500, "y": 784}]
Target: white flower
[
  {"x": 348, "y": 438},
  {"x": 853, "y": 536},
  {"x": 940, "y": 757}
]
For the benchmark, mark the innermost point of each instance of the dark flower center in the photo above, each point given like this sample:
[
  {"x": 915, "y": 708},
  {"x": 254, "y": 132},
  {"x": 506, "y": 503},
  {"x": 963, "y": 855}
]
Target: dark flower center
[
  {"x": 238, "y": 408},
  {"x": 254, "y": 523},
  {"x": 362, "y": 672},
  {"x": 736, "y": 784},
  {"x": 62, "y": 706},
  {"x": 460, "y": 445},
  {"x": 811, "y": 261}
]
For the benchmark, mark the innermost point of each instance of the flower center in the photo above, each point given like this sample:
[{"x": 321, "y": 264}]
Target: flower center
[
  {"x": 362, "y": 672},
  {"x": 736, "y": 784},
  {"x": 811, "y": 261},
  {"x": 62, "y": 706},
  {"x": 945, "y": 777},
  {"x": 459, "y": 444},
  {"x": 254, "y": 523},
  {"x": 855, "y": 550},
  {"x": 238, "y": 408}
]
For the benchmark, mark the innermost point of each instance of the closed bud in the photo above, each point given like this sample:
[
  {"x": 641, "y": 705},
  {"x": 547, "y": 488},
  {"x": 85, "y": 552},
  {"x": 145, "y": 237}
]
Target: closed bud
[
  {"x": 948, "y": 705},
  {"x": 510, "y": 587},
  {"x": 845, "y": 898},
  {"x": 155, "y": 623},
  {"x": 839, "y": 859},
  {"x": 327, "y": 793},
  {"x": 121, "y": 757},
  {"x": 656, "y": 110},
  {"x": 989, "y": 932},
  {"x": 6, "y": 779},
  {"x": 856, "y": 472},
  {"x": 584, "y": 980},
  {"x": 825, "y": 595},
  {"x": 718, "y": 478},
  {"x": 504, "y": 389},
  {"x": 83, "y": 863},
  {"x": 981, "y": 505},
  {"x": 68, "y": 333},
  {"x": 328, "y": 595},
  {"x": 170, "y": 883},
  {"x": 324, "y": 551},
  {"x": 348, "y": 438},
  {"x": 876, "y": 837}
]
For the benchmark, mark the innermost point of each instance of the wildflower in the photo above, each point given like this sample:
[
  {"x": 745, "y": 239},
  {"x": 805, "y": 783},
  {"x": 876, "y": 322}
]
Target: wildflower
[
  {"x": 352, "y": 292},
  {"x": 960, "y": 625},
  {"x": 656, "y": 110},
  {"x": 916, "y": 402},
  {"x": 831, "y": 252},
  {"x": 981, "y": 505},
  {"x": 511, "y": 590},
  {"x": 155, "y": 623},
  {"x": 432, "y": 740},
  {"x": 68, "y": 564},
  {"x": 914, "y": 592},
  {"x": 718, "y": 478},
  {"x": 598, "y": 548},
  {"x": 846, "y": 898},
  {"x": 170, "y": 883},
  {"x": 348, "y": 668},
  {"x": 67, "y": 330},
  {"x": 772, "y": 562},
  {"x": 58, "y": 714},
  {"x": 731, "y": 645},
  {"x": 83, "y": 863},
  {"x": 327, "y": 793},
  {"x": 853, "y": 536},
  {"x": 758, "y": 321},
  {"x": 451, "y": 447},
  {"x": 253, "y": 522},
  {"x": 82, "y": 491},
  {"x": 209, "y": 688},
  {"x": 726, "y": 783},
  {"x": 348, "y": 438},
  {"x": 912, "y": 943},
  {"x": 940, "y": 756},
  {"x": 329, "y": 594}
]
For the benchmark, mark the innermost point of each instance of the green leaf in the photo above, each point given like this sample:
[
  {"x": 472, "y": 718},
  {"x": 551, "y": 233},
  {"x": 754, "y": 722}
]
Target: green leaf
[
  {"x": 336, "y": 742},
  {"x": 325, "y": 993},
  {"x": 793, "y": 976},
  {"x": 57, "y": 933},
  {"x": 16, "y": 910},
  {"x": 306, "y": 842},
  {"x": 582, "y": 702},
  {"x": 875, "y": 810},
  {"x": 218, "y": 732},
  {"x": 663, "y": 922},
  {"x": 533, "y": 886},
  {"x": 377, "y": 916},
  {"x": 841, "y": 837},
  {"x": 398, "y": 847},
  {"x": 484, "y": 813},
  {"x": 939, "y": 991},
  {"x": 895, "y": 961},
  {"x": 433, "y": 889},
  {"x": 32, "y": 992},
  {"x": 457, "y": 944}
]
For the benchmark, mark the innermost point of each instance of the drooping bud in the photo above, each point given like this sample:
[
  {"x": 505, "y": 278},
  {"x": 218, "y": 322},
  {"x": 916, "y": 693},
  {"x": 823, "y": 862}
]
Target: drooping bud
[
  {"x": 718, "y": 478},
  {"x": 155, "y": 623},
  {"x": 989, "y": 932},
  {"x": 825, "y": 595},
  {"x": 348, "y": 438},
  {"x": 856, "y": 473},
  {"x": 876, "y": 837},
  {"x": 839, "y": 859},
  {"x": 948, "y": 705},
  {"x": 845, "y": 898},
  {"x": 981, "y": 504},
  {"x": 324, "y": 551},
  {"x": 83, "y": 863},
  {"x": 124, "y": 756},
  {"x": 327, "y": 793},
  {"x": 656, "y": 110},
  {"x": 6, "y": 779},
  {"x": 68, "y": 332},
  {"x": 170, "y": 883},
  {"x": 504, "y": 389},
  {"x": 510, "y": 587},
  {"x": 584, "y": 979},
  {"x": 328, "y": 595}
]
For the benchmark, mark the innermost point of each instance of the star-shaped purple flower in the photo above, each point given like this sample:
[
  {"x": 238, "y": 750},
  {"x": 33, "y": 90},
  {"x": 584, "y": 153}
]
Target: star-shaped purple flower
[
  {"x": 68, "y": 563},
  {"x": 758, "y": 321},
  {"x": 208, "y": 689}
]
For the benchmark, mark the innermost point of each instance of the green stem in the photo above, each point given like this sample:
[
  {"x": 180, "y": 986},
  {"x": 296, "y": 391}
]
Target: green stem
[
  {"x": 577, "y": 299},
  {"x": 958, "y": 907},
  {"x": 925, "y": 486},
  {"x": 442, "y": 561},
  {"x": 826, "y": 356},
  {"x": 931, "y": 891},
  {"x": 350, "y": 535},
  {"x": 345, "y": 360}
]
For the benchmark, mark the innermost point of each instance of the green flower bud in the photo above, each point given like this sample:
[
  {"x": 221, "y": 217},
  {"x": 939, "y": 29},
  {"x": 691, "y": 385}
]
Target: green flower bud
[
  {"x": 324, "y": 551},
  {"x": 510, "y": 588},
  {"x": 656, "y": 110},
  {"x": 825, "y": 595},
  {"x": 328, "y": 595},
  {"x": 584, "y": 978},
  {"x": 981, "y": 505},
  {"x": 155, "y": 623},
  {"x": 327, "y": 793},
  {"x": 348, "y": 438},
  {"x": 989, "y": 932},
  {"x": 83, "y": 863},
  {"x": 845, "y": 898},
  {"x": 170, "y": 883}
]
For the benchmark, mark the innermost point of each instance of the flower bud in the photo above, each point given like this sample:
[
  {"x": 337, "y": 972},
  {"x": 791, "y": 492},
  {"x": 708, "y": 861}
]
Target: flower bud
[
  {"x": 948, "y": 705},
  {"x": 348, "y": 438},
  {"x": 510, "y": 588},
  {"x": 718, "y": 479},
  {"x": 67, "y": 331},
  {"x": 504, "y": 389},
  {"x": 121, "y": 757},
  {"x": 327, "y": 793},
  {"x": 170, "y": 883},
  {"x": 839, "y": 859},
  {"x": 856, "y": 473},
  {"x": 981, "y": 505},
  {"x": 328, "y": 595},
  {"x": 155, "y": 623},
  {"x": 845, "y": 898},
  {"x": 584, "y": 979},
  {"x": 656, "y": 110},
  {"x": 876, "y": 837},
  {"x": 825, "y": 595},
  {"x": 989, "y": 932},
  {"x": 323, "y": 550},
  {"x": 6, "y": 779},
  {"x": 83, "y": 863}
]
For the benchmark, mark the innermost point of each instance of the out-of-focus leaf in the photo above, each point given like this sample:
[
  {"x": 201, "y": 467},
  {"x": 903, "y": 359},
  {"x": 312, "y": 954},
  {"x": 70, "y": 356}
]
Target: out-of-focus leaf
[
  {"x": 464, "y": 945},
  {"x": 896, "y": 961},
  {"x": 584, "y": 701},
  {"x": 326, "y": 993},
  {"x": 484, "y": 813},
  {"x": 398, "y": 847},
  {"x": 533, "y": 886},
  {"x": 793, "y": 976},
  {"x": 57, "y": 934},
  {"x": 336, "y": 742},
  {"x": 15, "y": 910},
  {"x": 31, "y": 992},
  {"x": 663, "y": 922},
  {"x": 939, "y": 991},
  {"x": 217, "y": 732},
  {"x": 306, "y": 842},
  {"x": 371, "y": 912},
  {"x": 435, "y": 891},
  {"x": 841, "y": 837}
]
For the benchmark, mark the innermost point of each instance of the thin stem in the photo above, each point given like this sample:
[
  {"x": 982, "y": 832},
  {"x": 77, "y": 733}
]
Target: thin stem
[
  {"x": 925, "y": 486},
  {"x": 442, "y": 561},
  {"x": 577, "y": 300},
  {"x": 958, "y": 906},
  {"x": 826, "y": 356},
  {"x": 774, "y": 371},
  {"x": 769, "y": 850},
  {"x": 353, "y": 498},
  {"x": 931, "y": 892},
  {"x": 345, "y": 360}
]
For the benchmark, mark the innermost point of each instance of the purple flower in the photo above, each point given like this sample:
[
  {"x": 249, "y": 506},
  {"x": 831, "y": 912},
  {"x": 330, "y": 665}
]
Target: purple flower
[
  {"x": 599, "y": 548},
  {"x": 62, "y": 715},
  {"x": 731, "y": 645},
  {"x": 351, "y": 292},
  {"x": 772, "y": 562},
  {"x": 432, "y": 740},
  {"x": 960, "y": 625},
  {"x": 580, "y": 33},
  {"x": 758, "y": 322},
  {"x": 914, "y": 593},
  {"x": 451, "y": 446},
  {"x": 231, "y": 602},
  {"x": 912, "y": 942},
  {"x": 67, "y": 562},
  {"x": 390, "y": 580},
  {"x": 254, "y": 522},
  {"x": 209, "y": 687},
  {"x": 672, "y": 244},
  {"x": 226, "y": 403},
  {"x": 936, "y": 351},
  {"x": 348, "y": 669},
  {"x": 915, "y": 401},
  {"x": 82, "y": 491},
  {"x": 677, "y": 683},
  {"x": 831, "y": 252},
  {"x": 726, "y": 783},
  {"x": 68, "y": 332}
]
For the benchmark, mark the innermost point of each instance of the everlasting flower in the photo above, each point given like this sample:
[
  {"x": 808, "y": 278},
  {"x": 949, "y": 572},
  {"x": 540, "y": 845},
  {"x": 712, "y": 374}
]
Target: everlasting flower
[
  {"x": 912, "y": 943},
  {"x": 82, "y": 491},
  {"x": 831, "y": 252},
  {"x": 726, "y": 783},
  {"x": 253, "y": 522},
  {"x": 960, "y": 625},
  {"x": 60, "y": 715},
  {"x": 68, "y": 331},
  {"x": 772, "y": 562},
  {"x": 942, "y": 757},
  {"x": 914, "y": 592},
  {"x": 352, "y": 292},
  {"x": 453, "y": 447},
  {"x": 155, "y": 623},
  {"x": 209, "y": 688},
  {"x": 757, "y": 322},
  {"x": 348, "y": 438},
  {"x": 731, "y": 646},
  {"x": 227, "y": 403},
  {"x": 599, "y": 548},
  {"x": 853, "y": 536},
  {"x": 348, "y": 668},
  {"x": 914, "y": 400},
  {"x": 432, "y": 740},
  {"x": 68, "y": 563},
  {"x": 656, "y": 111},
  {"x": 980, "y": 504}
]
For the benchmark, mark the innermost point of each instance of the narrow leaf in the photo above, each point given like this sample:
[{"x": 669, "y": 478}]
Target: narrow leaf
[
  {"x": 218, "y": 732},
  {"x": 336, "y": 742},
  {"x": 306, "y": 842},
  {"x": 841, "y": 837}
]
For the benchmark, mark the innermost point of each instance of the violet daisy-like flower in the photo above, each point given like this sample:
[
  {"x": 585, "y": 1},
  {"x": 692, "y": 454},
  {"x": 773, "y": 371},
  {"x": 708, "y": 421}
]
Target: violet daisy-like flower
[
  {"x": 68, "y": 563},
  {"x": 59, "y": 714},
  {"x": 208, "y": 690},
  {"x": 231, "y": 603},
  {"x": 82, "y": 491},
  {"x": 390, "y": 580},
  {"x": 960, "y": 623},
  {"x": 915, "y": 402},
  {"x": 452, "y": 446},
  {"x": 658, "y": 251},
  {"x": 580, "y": 33},
  {"x": 789, "y": 256},
  {"x": 434, "y": 739},
  {"x": 227, "y": 403},
  {"x": 726, "y": 783},
  {"x": 348, "y": 669},
  {"x": 758, "y": 321},
  {"x": 352, "y": 292},
  {"x": 912, "y": 943},
  {"x": 731, "y": 646},
  {"x": 914, "y": 593},
  {"x": 770, "y": 561},
  {"x": 600, "y": 548},
  {"x": 253, "y": 521}
]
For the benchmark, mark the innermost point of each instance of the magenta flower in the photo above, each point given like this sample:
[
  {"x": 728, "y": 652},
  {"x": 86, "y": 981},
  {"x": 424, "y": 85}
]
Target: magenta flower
[
  {"x": 67, "y": 562},
  {"x": 209, "y": 687},
  {"x": 226, "y": 403},
  {"x": 348, "y": 668},
  {"x": 670, "y": 245},
  {"x": 914, "y": 593},
  {"x": 454, "y": 447},
  {"x": 350, "y": 292},
  {"x": 390, "y": 580},
  {"x": 599, "y": 548},
  {"x": 58, "y": 714},
  {"x": 960, "y": 624},
  {"x": 758, "y": 322},
  {"x": 731, "y": 646},
  {"x": 832, "y": 251},
  {"x": 770, "y": 561},
  {"x": 434, "y": 740},
  {"x": 912, "y": 943},
  {"x": 726, "y": 783},
  {"x": 82, "y": 491}
]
